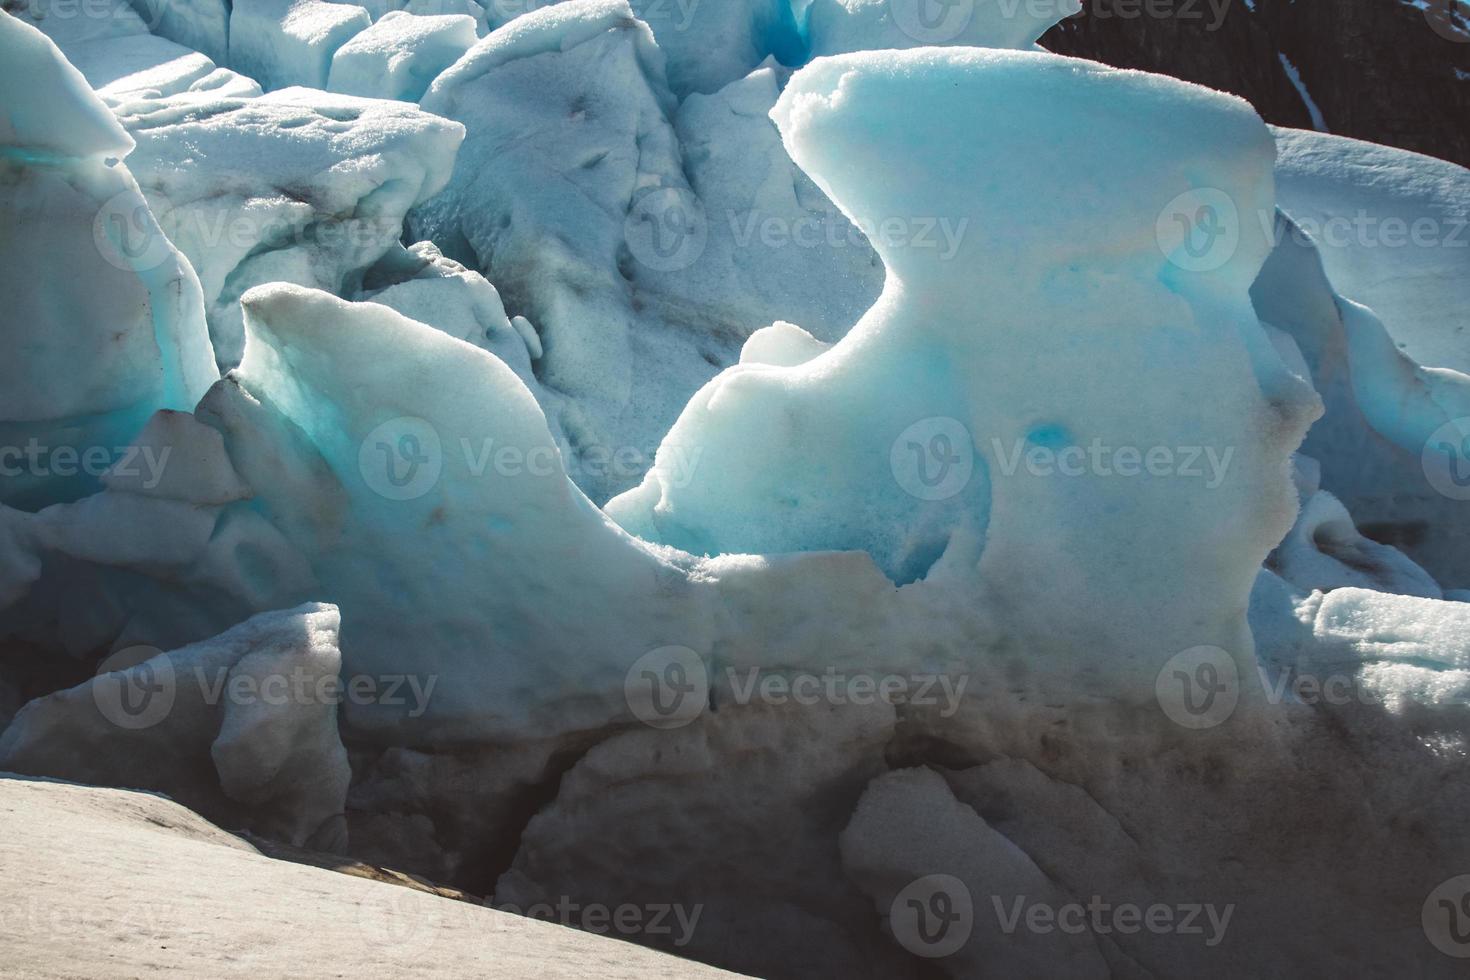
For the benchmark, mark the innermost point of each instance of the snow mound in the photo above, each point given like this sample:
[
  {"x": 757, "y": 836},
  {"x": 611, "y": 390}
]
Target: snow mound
[
  {"x": 208, "y": 899},
  {"x": 281, "y": 43},
  {"x": 400, "y": 55},
  {"x": 1393, "y": 229},
  {"x": 297, "y": 186},
  {"x": 86, "y": 367},
  {"x": 243, "y": 726}
]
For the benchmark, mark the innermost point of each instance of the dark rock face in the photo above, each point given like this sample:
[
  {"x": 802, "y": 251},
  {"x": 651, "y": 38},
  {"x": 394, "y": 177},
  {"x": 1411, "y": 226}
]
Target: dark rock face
[{"x": 1377, "y": 70}]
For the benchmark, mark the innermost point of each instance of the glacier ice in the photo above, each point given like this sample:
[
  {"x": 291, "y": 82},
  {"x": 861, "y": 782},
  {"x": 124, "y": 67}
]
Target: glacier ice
[
  {"x": 400, "y": 55},
  {"x": 85, "y": 368},
  {"x": 242, "y": 726},
  {"x": 1048, "y": 473},
  {"x": 281, "y": 43},
  {"x": 297, "y": 185}
]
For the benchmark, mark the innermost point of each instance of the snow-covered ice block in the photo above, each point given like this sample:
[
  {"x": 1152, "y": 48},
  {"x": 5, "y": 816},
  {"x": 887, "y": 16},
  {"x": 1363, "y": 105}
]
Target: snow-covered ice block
[
  {"x": 280, "y": 43},
  {"x": 774, "y": 246},
  {"x": 708, "y": 45},
  {"x": 86, "y": 367},
  {"x": 1324, "y": 550},
  {"x": 452, "y": 530},
  {"x": 298, "y": 185},
  {"x": 1393, "y": 230},
  {"x": 980, "y": 397},
  {"x": 243, "y": 726},
  {"x": 839, "y": 26},
  {"x": 145, "y": 67},
  {"x": 575, "y": 91},
  {"x": 400, "y": 55},
  {"x": 1391, "y": 443}
]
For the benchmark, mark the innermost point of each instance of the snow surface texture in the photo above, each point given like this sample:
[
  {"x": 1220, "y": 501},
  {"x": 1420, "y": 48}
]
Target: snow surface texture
[
  {"x": 201, "y": 902},
  {"x": 86, "y": 366},
  {"x": 281, "y": 43},
  {"x": 297, "y": 186},
  {"x": 400, "y": 55},
  {"x": 234, "y": 726}
]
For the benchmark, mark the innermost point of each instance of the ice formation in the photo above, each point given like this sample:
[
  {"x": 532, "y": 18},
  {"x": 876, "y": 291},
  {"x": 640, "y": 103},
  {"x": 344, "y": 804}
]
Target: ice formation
[
  {"x": 400, "y": 55},
  {"x": 86, "y": 366},
  {"x": 179, "y": 722},
  {"x": 938, "y": 413}
]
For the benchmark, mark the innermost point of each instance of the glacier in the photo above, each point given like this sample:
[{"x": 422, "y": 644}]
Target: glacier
[{"x": 814, "y": 467}]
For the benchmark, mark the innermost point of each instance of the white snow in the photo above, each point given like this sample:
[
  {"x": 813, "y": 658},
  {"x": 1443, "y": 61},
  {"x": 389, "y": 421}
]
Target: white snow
[
  {"x": 281, "y": 43},
  {"x": 399, "y": 55},
  {"x": 298, "y": 185},
  {"x": 103, "y": 882}
]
